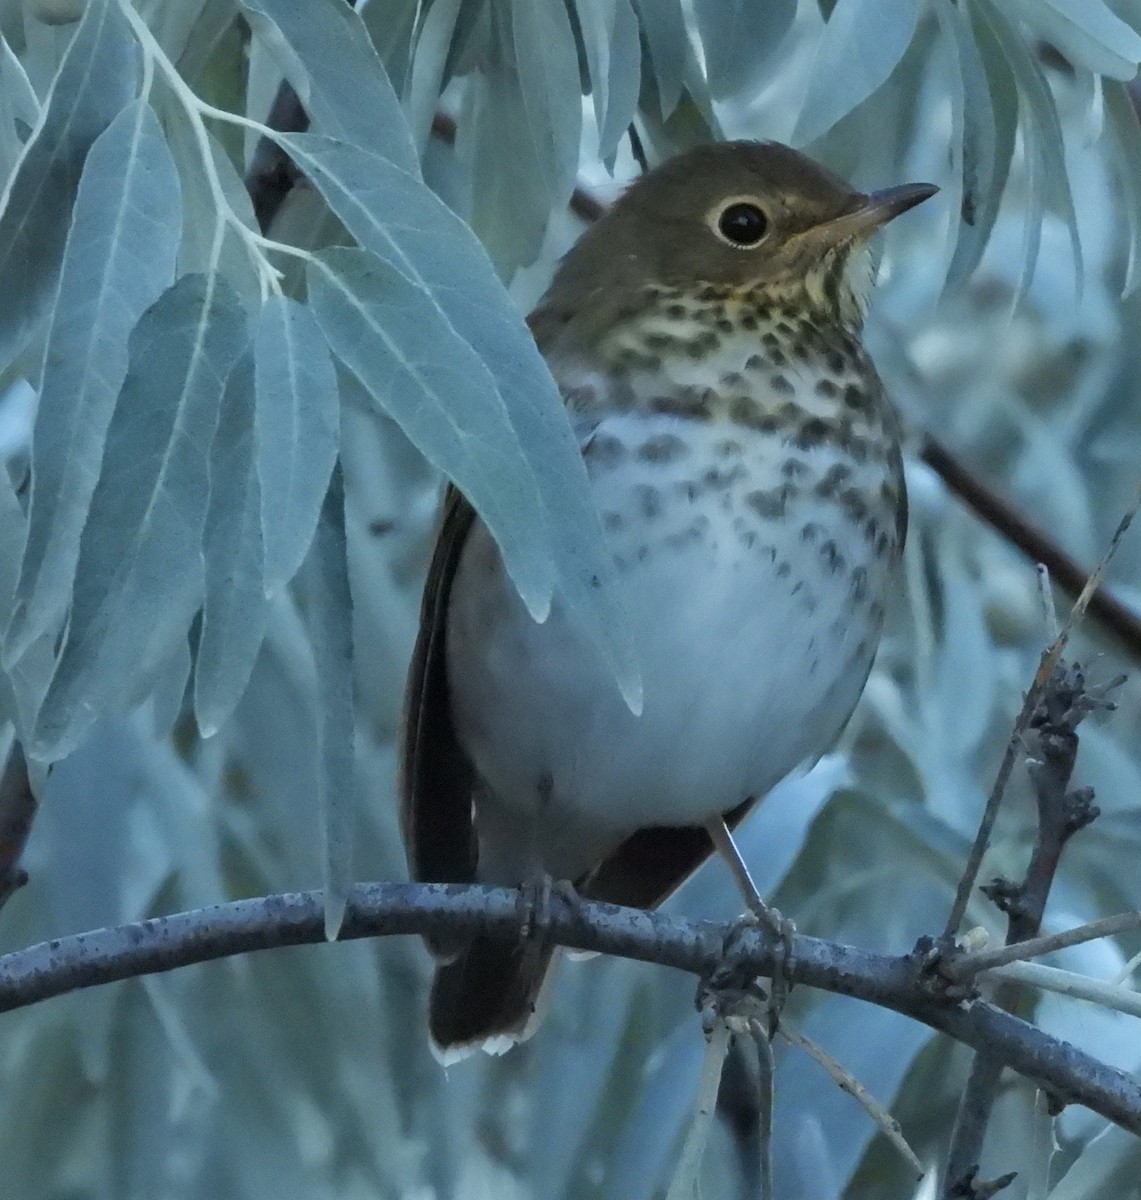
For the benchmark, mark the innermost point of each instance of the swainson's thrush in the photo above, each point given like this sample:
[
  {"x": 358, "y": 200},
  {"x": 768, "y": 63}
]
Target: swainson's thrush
[{"x": 745, "y": 461}]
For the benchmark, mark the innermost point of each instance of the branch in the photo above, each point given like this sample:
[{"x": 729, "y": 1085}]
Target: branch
[
  {"x": 382, "y": 909},
  {"x": 997, "y": 512}
]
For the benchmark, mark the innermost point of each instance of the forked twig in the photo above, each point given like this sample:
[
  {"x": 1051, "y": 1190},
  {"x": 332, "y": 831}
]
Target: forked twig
[
  {"x": 966, "y": 966},
  {"x": 1046, "y": 666}
]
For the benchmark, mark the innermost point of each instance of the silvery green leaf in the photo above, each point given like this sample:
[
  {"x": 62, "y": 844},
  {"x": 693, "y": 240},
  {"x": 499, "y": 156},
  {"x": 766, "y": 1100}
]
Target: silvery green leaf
[
  {"x": 650, "y": 1135},
  {"x": 596, "y": 30},
  {"x": 262, "y": 83},
  {"x": 738, "y": 36},
  {"x": 510, "y": 203},
  {"x": 169, "y": 695},
  {"x": 297, "y": 432},
  {"x": 197, "y": 251},
  {"x": 546, "y": 59},
  {"x": 1107, "y": 1166},
  {"x": 663, "y": 24},
  {"x": 1088, "y": 33},
  {"x": 614, "y": 59},
  {"x": 325, "y": 53},
  {"x": 1126, "y": 132},
  {"x": 13, "y": 530},
  {"x": 97, "y": 77},
  {"x": 391, "y": 27},
  {"x": 19, "y": 95},
  {"x": 625, "y": 80},
  {"x": 990, "y": 122},
  {"x": 234, "y": 610},
  {"x": 862, "y": 44},
  {"x": 118, "y": 260},
  {"x": 139, "y": 579},
  {"x": 1049, "y": 180},
  {"x": 426, "y": 76},
  {"x": 583, "y": 1071},
  {"x": 329, "y": 615},
  {"x": 19, "y": 109},
  {"x": 437, "y": 254},
  {"x": 388, "y": 332},
  {"x": 198, "y": 57}
]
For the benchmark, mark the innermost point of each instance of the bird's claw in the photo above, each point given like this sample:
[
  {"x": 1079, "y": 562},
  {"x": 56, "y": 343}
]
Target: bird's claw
[{"x": 733, "y": 987}]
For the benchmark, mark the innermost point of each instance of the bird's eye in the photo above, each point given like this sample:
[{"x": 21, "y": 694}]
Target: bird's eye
[{"x": 742, "y": 224}]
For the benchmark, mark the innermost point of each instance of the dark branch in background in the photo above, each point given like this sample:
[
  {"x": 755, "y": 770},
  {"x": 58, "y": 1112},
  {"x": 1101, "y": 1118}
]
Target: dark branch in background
[
  {"x": 895, "y": 982},
  {"x": 17, "y": 812},
  {"x": 1052, "y": 746},
  {"x": 1001, "y": 515}
]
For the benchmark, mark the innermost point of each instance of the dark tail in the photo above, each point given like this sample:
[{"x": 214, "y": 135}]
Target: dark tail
[{"x": 492, "y": 990}]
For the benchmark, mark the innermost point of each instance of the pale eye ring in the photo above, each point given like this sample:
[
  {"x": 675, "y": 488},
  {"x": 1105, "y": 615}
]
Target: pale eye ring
[{"x": 740, "y": 222}]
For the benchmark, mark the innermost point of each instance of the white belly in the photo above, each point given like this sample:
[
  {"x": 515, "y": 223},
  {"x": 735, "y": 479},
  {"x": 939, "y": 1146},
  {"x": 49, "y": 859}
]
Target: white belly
[{"x": 756, "y": 621}]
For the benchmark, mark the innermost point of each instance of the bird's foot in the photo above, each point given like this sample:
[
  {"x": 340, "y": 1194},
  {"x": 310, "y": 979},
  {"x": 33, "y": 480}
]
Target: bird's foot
[
  {"x": 734, "y": 979},
  {"x": 535, "y": 904}
]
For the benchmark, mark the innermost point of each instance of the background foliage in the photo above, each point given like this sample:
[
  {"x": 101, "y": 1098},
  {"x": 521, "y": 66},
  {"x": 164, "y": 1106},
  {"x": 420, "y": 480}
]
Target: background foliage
[{"x": 213, "y": 569}]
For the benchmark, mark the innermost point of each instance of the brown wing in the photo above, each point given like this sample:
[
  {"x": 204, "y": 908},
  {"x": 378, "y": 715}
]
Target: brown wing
[
  {"x": 650, "y": 865},
  {"x": 436, "y": 777}
]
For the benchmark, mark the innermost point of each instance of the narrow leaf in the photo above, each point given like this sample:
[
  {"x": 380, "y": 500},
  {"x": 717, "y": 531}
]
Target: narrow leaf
[
  {"x": 1088, "y": 33},
  {"x": 19, "y": 109},
  {"x": 426, "y": 74},
  {"x": 510, "y": 200},
  {"x": 406, "y": 226},
  {"x": 298, "y": 431},
  {"x": 862, "y": 44},
  {"x": 596, "y": 29},
  {"x": 324, "y": 51},
  {"x": 663, "y": 26},
  {"x": 235, "y": 611},
  {"x": 435, "y": 387},
  {"x": 139, "y": 580},
  {"x": 987, "y": 140},
  {"x": 546, "y": 58},
  {"x": 738, "y": 37},
  {"x": 625, "y": 80},
  {"x": 329, "y": 613},
  {"x": 119, "y": 258},
  {"x": 97, "y": 77},
  {"x": 1126, "y": 131},
  {"x": 197, "y": 251},
  {"x": 1049, "y": 180}
]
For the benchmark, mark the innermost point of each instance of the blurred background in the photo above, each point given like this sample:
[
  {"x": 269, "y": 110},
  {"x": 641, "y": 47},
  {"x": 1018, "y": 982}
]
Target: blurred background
[{"x": 306, "y": 1073}]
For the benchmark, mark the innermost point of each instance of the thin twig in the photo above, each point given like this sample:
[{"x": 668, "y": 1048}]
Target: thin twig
[
  {"x": 967, "y": 965},
  {"x": 847, "y": 1082},
  {"x": 766, "y": 1097},
  {"x": 1068, "y": 983},
  {"x": 998, "y": 512},
  {"x": 684, "y": 1183}
]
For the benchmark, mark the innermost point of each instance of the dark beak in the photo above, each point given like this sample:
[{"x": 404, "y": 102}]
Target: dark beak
[{"x": 875, "y": 210}]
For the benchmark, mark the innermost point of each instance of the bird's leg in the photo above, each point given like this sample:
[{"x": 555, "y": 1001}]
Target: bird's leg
[
  {"x": 759, "y": 913},
  {"x": 538, "y": 884}
]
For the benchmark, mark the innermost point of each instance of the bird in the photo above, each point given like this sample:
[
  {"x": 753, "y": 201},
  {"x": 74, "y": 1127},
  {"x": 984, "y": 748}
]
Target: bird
[{"x": 705, "y": 334}]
